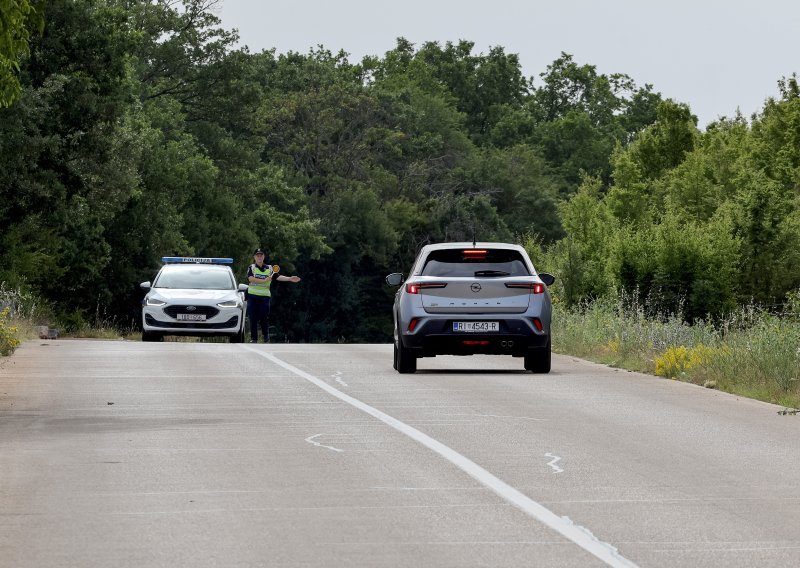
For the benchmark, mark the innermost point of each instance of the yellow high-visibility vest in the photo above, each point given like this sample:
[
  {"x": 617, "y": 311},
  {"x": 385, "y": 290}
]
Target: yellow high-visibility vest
[{"x": 260, "y": 288}]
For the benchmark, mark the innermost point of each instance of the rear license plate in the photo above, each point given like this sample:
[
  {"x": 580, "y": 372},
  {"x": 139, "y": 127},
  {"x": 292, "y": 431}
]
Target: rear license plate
[
  {"x": 476, "y": 326},
  {"x": 192, "y": 317}
]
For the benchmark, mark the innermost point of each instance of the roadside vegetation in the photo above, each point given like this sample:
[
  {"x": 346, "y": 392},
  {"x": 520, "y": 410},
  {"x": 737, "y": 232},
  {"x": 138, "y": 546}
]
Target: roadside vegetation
[
  {"x": 17, "y": 312},
  {"x": 750, "y": 352}
]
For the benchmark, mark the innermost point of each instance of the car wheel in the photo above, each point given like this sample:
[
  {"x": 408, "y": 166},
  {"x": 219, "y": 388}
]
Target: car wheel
[
  {"x": 150, "y": 336},
  {"x": 405, "y": 360},
  {"x": 237, "y": 337},
  {"x": 538, "y": 360}
]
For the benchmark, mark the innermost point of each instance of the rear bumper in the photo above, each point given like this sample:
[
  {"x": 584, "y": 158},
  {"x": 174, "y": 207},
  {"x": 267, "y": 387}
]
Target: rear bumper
[
  {"x": 515, "y": 345},
  {"x": 435, "y": 337}
]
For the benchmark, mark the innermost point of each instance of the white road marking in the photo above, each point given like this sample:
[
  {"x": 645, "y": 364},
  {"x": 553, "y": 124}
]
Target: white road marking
[
  {"x": 310, "y": 440},
  {"x": 552, "y": 462},
  {"x": 338, "y": 377},
  {"x": 577, "y": 534}
]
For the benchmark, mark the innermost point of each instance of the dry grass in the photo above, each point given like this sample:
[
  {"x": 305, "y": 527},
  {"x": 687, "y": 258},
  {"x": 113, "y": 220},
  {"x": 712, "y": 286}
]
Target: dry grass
[{"x": 751, "y": 353}]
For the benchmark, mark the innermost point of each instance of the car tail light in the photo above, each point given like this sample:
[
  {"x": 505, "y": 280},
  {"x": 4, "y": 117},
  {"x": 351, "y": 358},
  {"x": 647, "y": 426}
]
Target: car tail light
[
  {"x": 537, "y": 323},
  {"x": 475, "y": 254},
  {"x": 412, "y": 325},
  {"x": 415, "y": 287},
  {"x": 474, "y": 342},
  {"x": 534, "y": 287}
]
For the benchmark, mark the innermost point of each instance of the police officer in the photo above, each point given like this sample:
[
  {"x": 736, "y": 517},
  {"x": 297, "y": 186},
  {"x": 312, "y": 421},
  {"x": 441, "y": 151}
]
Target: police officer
[{"x": 260, "y": 276}]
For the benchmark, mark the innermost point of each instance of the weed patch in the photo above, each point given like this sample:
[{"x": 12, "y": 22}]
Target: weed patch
[
  {"x": 8, "y": 334},
  {"x": 751, "y": 353}
]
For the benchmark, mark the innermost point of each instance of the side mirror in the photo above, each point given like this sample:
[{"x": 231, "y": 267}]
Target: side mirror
[
  {"x": 243, "y": 287},
  {"x": 548, "y": 279},
  {"x": 395, "y": 279},
  {"x": 145, "y": 285}
]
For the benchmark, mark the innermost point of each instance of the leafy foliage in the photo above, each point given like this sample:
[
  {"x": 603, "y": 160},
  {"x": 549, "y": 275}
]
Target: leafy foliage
[{"x": 19, "y": 20}]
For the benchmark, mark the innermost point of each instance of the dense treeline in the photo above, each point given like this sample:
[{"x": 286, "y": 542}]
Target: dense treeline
[{"x": 140, "y": 131}]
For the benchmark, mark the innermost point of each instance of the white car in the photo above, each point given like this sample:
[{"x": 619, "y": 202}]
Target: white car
[{"x": 194, "y": 296}]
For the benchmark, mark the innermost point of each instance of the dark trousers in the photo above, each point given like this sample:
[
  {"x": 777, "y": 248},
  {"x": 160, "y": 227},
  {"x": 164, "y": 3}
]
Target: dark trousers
[{"x": 258, "y": 312}]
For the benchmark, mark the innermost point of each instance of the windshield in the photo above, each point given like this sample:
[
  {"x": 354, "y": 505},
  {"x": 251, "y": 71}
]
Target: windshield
[
  {"x": 458, "y": 263},
  {"x": 198, "y": 279}
]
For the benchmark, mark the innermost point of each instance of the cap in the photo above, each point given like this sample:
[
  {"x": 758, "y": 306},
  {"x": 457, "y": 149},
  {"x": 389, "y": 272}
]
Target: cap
[{"x": 258, "y": 251}]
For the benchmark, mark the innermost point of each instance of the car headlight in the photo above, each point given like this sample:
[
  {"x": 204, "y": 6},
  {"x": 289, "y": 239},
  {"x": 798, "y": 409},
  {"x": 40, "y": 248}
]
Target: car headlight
[
  {"x": 229, "y": 304},
  {"x": 154, "y": 302}
]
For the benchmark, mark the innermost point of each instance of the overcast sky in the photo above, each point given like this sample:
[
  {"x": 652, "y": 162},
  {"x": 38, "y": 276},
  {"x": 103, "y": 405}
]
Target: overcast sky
[{"x": 715, "y": 55}]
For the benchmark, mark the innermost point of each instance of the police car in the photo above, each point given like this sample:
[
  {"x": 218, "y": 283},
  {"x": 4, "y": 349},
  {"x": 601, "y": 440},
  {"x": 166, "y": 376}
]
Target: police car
[{"x": 194, "y": 296}]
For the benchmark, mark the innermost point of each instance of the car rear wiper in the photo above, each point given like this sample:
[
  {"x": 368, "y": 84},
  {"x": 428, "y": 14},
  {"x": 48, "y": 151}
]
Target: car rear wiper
[{"x": 491, "y": 273}]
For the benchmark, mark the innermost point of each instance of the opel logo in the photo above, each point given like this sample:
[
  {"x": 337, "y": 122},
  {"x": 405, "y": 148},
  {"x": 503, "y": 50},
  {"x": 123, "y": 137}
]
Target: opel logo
[
  {"x": 191, "y": 308},
  {"x": 475, "y": 287}
]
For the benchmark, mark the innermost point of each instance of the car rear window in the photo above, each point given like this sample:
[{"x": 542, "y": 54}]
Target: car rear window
[
  {"x": 198, "y": 279},
  {"x": 473, "y": 263}
]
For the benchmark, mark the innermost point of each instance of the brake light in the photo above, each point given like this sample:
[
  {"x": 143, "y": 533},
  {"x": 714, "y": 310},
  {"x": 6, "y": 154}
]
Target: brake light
[
  {"x": 475, "y": 254},
  {"x": 537, "y": 323},
  {"x": 534, "y": 287},
  {"x": 474, "y": 342},
  {"x": 415, "y": 287},
  {"x": 412, "y": 325}
]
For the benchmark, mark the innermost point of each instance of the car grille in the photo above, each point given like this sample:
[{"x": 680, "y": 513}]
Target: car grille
[{"x": 208, "y": 311}]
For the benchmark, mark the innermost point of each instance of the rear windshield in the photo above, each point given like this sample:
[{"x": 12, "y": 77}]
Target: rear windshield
[
  {"x": 198, "y": 279},
  {"x": 472, "y": 263}
]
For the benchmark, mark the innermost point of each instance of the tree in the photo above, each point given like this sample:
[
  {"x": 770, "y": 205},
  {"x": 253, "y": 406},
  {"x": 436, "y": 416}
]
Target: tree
[
  {"x": 481, "y": 84},
  {"x": 583, "y": 254},
  {"x": 72, "y": 166},
  {"x": 767, "y": 221},
  {"x": 19, "y": 20},
  {"x": 520, "y": 186},
  {"x": 578, "y": 116},
  {"x": 177, "y": 46},
  {"x": 655, "y": 151},
  {"x": 665, "y": 144}
]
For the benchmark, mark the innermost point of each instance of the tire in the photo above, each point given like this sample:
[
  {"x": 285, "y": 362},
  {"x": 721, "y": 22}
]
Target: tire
[
  {"x": 538, "y": 360},
  {"x": 236, "y": 337},
  {"x": 405, "y": 361},
  {"x": 150, "y": 336}
]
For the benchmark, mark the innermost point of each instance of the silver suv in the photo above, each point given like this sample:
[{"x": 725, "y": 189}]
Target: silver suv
[{"x": 470, "y": 298}]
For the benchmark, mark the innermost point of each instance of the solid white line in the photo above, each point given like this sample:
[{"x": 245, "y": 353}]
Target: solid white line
[{"x": 563, "y": 525}]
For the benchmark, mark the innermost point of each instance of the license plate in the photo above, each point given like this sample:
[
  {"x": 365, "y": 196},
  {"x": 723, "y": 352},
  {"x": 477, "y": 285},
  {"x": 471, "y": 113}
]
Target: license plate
[
  {"x": 192, "y": 317},
  {"x": 476, "y": 326}
]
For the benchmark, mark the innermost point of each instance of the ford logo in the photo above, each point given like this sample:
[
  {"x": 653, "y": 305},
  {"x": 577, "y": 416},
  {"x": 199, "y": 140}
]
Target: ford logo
[
  {"x": 190, "y": 308},
  {"x": 475, "y": 287}
]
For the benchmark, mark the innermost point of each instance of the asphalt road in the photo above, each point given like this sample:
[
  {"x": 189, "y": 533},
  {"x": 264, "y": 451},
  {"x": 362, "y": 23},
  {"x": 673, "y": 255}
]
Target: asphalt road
[{"x": 190, "y": 454}]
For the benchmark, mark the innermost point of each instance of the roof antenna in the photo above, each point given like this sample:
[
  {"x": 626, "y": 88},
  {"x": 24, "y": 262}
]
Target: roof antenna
[{"x": 474, "y": 244}]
